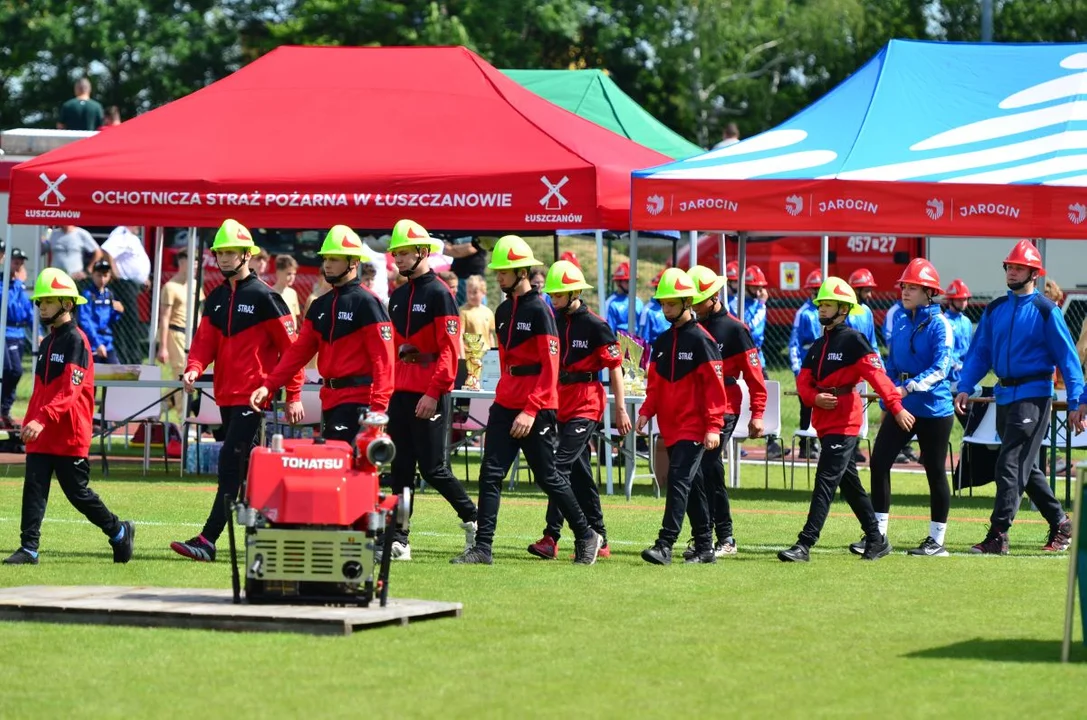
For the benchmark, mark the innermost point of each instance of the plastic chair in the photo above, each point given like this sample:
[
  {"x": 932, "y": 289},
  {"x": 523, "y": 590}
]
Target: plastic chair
[
  {"x": 123, "y": 405},
  {"x": 985, "y": 434},
  {"x": 771, "y": 427},
  {"x": 208, "y": 416}
]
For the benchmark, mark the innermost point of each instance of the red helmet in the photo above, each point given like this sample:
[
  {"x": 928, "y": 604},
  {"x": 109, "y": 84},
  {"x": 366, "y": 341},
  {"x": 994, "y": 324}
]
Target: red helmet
[
  {"x": 657, "y": 280},
  {"x": 732, "y": 271},
  {"x": 957, "y": 290},
  {"x": 920, "y": 272},
  {"x": 862, "y": 278},
  {"x": 754, "y": 276},
  {"x": 1024, "y": 253},
  {"x": 622, "y": 272},
  {"x": 570, "y": 256},
  {"x": 814, "y": 280}
]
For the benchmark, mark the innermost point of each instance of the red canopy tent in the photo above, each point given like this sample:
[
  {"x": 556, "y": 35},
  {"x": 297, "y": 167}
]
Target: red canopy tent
[{"x": 310, "y": 137}]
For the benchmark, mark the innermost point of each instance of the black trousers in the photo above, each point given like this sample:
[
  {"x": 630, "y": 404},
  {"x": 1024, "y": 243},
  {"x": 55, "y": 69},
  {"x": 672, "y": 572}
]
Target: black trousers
[
  {"x": 13, "y": 372},
  {"x": 573, "y": 462},
  {"x": 932, "y": 436},
  {"x": 686, "y": 495},
  {"x": 421, "y": 443},
  {"x": 241, "y": 427},
  {"x": 1022, "y": 426},
  {"x": 712, "y": 478},
  {"x": 73, "y": 474},
  {"x": 499, "y": 451},
  {"x": 341, "y": 422},
  {"x": 837, "y": 467}
]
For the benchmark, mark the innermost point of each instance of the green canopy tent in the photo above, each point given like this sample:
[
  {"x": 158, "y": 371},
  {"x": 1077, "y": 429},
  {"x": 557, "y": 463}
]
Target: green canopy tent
[{"x": 593, "y": 95}]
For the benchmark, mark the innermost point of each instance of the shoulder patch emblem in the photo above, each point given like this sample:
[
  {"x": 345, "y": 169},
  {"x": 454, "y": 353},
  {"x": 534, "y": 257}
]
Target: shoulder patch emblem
[
  {"x": 291, "y": 330},
  {"x": 553, "y": 346},
  {"x": 613, "y": 350},
  {"x": 77, "y": 376},
  {"x": 753, "y": 357},
  {"x": 719, "y": 370},
  {"x": 452, "y": 325},
  {"x": 875, "y": 361},
  {"x": 386, "y": 333}
]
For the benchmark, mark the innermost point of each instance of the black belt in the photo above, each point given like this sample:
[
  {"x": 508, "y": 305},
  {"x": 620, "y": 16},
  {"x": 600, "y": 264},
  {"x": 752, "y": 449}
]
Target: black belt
[
  {"x": 836, "y": 391},
  {"x": 418, "y": 357},
  {"x": 729, "y": 380},
  {"x": 1016, "y": 382},
  {"x": 571, "y": 378},
  {"x": 350, "y": 381},
  {"x": 525, "y": 370},
  {"x": 176, "y": 328}
]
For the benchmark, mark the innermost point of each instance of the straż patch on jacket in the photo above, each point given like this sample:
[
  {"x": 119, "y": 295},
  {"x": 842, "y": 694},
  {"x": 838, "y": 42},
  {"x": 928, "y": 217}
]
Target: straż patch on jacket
[
  {"x": 386, "y": 332},
  {"x": 290, "y": 327},
  {"x": 77, "y": 377},
  {"x": 452, "y": 325},
  {"x": 613, "y": 350},
  {"x": 753, "y": 357},
  {"x": 553, "y": 346},
  {"x": 875, "y": 361}
]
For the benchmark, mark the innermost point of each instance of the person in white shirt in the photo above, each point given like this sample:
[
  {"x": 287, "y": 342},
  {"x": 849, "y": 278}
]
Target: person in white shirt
[{"x": 132, "y": 275}]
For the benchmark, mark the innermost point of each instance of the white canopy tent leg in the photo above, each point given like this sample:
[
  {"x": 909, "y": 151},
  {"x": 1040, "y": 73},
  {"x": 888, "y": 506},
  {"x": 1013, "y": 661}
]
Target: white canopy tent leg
[
  {"x": 694, "y": 248},
  {"x": 741, "y": 297},
  {"x": 4, "y": 304},
  {"x": 1040, "y": 243},
  {"x": 190, "y": 317},
  {"x": 632, "y": 320},
  {"x": 156, "y": 293},
  {"x": 36, "y": 327},
  {"x": 601, "y": 289},
  {"x": 824, "y": 255}
]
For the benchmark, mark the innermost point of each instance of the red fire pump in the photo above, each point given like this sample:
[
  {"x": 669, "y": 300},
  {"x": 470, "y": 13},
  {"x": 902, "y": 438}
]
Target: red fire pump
[{"x": 314, "y": 515}]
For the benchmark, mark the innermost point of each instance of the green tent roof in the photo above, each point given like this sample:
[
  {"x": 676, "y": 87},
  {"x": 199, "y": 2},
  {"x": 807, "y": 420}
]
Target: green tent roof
[{"x": 593, "y": 95}]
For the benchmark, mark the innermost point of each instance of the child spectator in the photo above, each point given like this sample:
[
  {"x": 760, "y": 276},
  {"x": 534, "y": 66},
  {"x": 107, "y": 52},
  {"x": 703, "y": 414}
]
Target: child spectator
[
  {"x": 367, "y": 274},
  {"x": 258, "y": 262},
  {"x": 102, "y": 312},
  {"x": 451, "y": 280},
  {"x": 475, "y": 317},
  {"x": 286, "y": 271}
]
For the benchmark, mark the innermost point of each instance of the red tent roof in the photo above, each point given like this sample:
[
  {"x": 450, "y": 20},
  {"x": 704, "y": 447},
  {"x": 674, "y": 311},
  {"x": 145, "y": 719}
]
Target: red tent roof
[{"x": 311, "y": 137}]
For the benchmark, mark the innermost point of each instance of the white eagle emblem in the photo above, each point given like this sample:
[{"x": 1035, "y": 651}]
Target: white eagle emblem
[
  {"x": 753, "y": 357},
  {"x": 77, "y": 376},
  {"x": 386, "y": 332},
  {"x": 875, "y": 361},
  {"x": 553, "y": 346},
  {"x": 613, "y": 350},
  {"x": 452, "y": 326}
]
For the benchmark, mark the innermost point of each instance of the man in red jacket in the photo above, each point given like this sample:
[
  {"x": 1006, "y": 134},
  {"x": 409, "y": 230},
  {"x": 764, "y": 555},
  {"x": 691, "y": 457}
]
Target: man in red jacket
[
  {"x": 245, "y": 330},
  {"x": 739, "y": 355},
  {"x": 426, "y": 335},
  {"x": 523, "y": 414},
  {"x": 685, "y": 390},
  {"x": 587, "y": 345},
  {"x": 827, "y": 382},
  {"x": 349, "y": 331},
  {"x": 57, "y": 428}
]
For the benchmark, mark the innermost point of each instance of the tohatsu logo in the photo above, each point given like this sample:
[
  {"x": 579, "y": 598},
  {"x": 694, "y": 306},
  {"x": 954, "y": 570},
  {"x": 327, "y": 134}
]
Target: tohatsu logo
[{"x": 299, "y": 463}]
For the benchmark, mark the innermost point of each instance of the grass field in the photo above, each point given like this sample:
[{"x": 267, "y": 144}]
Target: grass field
[{"x": 747, "y": 637}]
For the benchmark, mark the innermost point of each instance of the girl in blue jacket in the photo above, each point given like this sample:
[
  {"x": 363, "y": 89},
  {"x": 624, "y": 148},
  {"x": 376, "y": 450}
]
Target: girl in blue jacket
[{"x": 918, "y": 361}]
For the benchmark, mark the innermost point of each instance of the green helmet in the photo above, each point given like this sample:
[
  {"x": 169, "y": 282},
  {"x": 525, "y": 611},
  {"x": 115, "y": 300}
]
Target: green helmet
[
  {"x": 53, "y": 283},
  {"x": 233, "y": 235},
  {"x": 511, "y": 252},
  {"x": 564, "y": 277},
  {"x": 408, "y": 233},
  {"x": 834, "y": 289},
  {"x": 707, "y": 283},
  {"x": 342, "y": 240},
  {"x": 674, "y": 285}
]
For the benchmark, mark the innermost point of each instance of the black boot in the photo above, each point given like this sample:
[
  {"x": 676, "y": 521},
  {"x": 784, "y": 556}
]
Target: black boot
[
  {"x": 797, "y": 553},
  {"x": 659, "y": 554}
]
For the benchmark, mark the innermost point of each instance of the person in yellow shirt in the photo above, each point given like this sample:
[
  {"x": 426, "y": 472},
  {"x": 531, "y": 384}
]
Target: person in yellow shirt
[
  {"x": 475, "y": 317},
  {"x": 286, "y": 271},
  {"x": 173, "y": 316}
]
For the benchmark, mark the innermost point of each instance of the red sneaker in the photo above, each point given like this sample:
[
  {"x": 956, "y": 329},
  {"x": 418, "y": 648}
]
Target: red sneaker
[
  {"x": 546, "y": 548},
  {"x": 605, "y": 551}
]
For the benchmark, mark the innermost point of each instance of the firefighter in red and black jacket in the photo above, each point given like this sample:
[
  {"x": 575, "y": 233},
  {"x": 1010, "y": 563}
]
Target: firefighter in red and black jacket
[
  {"x": 350, "y": 333},
  {"x": 685, "y": 390},
  {"x": 57, "y": 428},
  {"x": 587, "y": 345},
  {"x": 827, "y": 382},
  {"x": 426, "y": 335},
  {"x": 739, "y": 356},
  {"x": 245, "y": 330},
  {"x": 524, "y": 411}
]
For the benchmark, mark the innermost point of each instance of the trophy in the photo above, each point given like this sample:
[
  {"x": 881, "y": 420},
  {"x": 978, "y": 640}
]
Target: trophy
[
  {"x": 633, "y": 373},
  {"x": 474, "y": 349}
]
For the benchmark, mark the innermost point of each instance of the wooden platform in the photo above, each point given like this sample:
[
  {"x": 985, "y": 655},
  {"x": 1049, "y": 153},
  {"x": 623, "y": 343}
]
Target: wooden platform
[{"x": 203, "y": 609}]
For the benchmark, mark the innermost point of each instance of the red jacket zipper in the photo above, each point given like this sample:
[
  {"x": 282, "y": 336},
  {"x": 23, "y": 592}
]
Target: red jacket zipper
[
  {"x": 48, "y": 356},
  {"x": 675, "y": 349},
  {"x": 513, "y": 321},
  {"x": 411, "y": 304}
]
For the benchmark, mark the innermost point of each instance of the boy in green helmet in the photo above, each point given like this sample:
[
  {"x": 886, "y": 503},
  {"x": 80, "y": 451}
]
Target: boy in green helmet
[{"x": 57, "y": 429}]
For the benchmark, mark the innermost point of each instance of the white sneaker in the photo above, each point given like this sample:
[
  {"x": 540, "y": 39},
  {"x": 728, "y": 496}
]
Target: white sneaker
[
  {"x": 401, "y": 551},
  {"x": 469, "y": 529}
]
